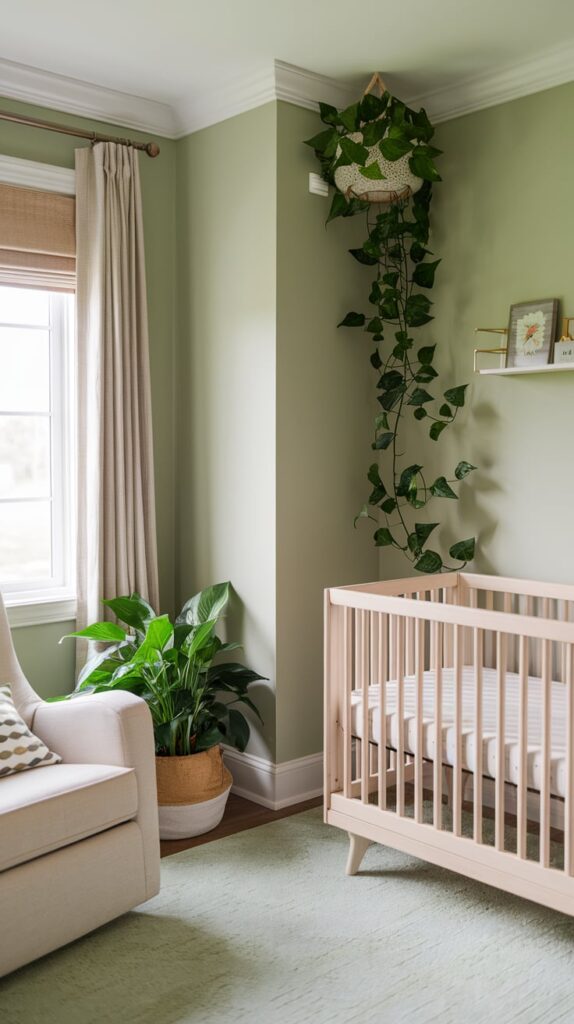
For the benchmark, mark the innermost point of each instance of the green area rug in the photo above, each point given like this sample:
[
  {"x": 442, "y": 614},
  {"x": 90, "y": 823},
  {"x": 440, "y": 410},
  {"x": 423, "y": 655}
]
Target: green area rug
[{"x": 264, "y": 927}]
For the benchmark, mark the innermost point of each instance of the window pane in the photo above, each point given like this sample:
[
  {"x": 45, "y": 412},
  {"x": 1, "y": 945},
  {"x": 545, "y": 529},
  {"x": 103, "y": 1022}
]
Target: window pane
[
  {"x": 25, "y": 377},
  {"x": 25, "y": 541},
  {"x": 24, "y": 457},
  {"x": 24, "y": 306}
]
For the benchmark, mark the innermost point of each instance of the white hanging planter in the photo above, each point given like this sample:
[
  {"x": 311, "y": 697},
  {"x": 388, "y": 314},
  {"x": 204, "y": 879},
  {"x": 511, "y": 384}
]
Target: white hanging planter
[{"x": 399, "y": 182}]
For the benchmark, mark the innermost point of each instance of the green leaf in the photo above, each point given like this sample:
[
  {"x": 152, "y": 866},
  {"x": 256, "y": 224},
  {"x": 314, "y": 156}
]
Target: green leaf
[
  {"x": 363, "y": 257},
  {"x": 389, "y": 506},
  {"x": 363, "y": 514},
  {"x": 441, "y": 489},
  {"x": 425, "y": 375},
  {"x": 463, "y": 469},
  {"x": 425, "y": 355},
  {"x": 419, "y": 397},
  {"x": 376, "y": 360},
  {"x": 436, "y": 429},
  {"x": 328, "y": 114},
  {"x": 456, "y": 396},
  {"x": 463, "y": 551},
  {"x": 350, "y": 118},
  {"x": 321, "y": 141},
  {"x": 371, "y": 107},
  {"x": 423, "y": 532},
  {"x": 208, "y": 604},
  {"x": 391, "y": 398},
  {"x": 418, "y": 252},
  {"x": 429, "y": 562},
  {"x": 373, "y": 172},
  {"x": 424, "y": 273},
  {"x": 420, "y": 413},
  {"x": 373, "y": 133},
  {"x": 375, "y": 325},
  {"x": 407, "y": 481},
  {"x": 391, "y": 278},
  {"x": 353, "y": 320},
  {"x": 238, "y": 730},
  {"x": 417, "y": 310},
  {"x": 381, "y": 422},
  {"x": 103, "y": 632},
  {"x": 373, "y": 476},
  {"x": 353, "y": 151},
  {"x": 445, "y": 410},
  {"x": 413, "y": 544},
  {"x": 339, "y": 207},
  {"x": 390, "y": 380},
  {"x": 422, "y": 165},
  {"x": 133, "y": 610},
  {"x": 198, "y": 638},
  {"x": 377, "y": 495},
  {"x": 383, "y": 441},
  {"x": 383, "y": 537},
  {"x": 394, "y": 149}
]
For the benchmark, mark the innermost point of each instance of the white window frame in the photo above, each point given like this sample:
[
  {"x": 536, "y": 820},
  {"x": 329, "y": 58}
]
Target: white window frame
[{"x": 36, "y": 602}]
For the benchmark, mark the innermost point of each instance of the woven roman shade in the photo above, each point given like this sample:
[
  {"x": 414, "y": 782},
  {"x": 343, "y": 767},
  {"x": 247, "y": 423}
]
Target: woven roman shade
[{"x": 37, "y": 239}]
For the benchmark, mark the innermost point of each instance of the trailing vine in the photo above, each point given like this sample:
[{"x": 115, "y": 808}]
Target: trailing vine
[{"x": 396, "y": 249}]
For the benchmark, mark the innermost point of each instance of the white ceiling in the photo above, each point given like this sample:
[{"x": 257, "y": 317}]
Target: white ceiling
[{"x": 177, "y": 52}]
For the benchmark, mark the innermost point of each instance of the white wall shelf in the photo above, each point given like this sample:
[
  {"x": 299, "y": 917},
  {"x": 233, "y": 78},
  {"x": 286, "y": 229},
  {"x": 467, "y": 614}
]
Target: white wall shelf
[{"x": 507, "y": 371}]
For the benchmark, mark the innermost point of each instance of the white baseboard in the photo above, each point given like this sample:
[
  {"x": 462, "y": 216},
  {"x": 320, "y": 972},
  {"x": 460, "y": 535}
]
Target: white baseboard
[{"x": 275, "y": 785}]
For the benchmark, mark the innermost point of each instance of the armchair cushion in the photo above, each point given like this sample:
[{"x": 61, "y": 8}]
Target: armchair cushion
[
  {"x": 19, "y": 748},
  {"x": 43, "y": 811}
]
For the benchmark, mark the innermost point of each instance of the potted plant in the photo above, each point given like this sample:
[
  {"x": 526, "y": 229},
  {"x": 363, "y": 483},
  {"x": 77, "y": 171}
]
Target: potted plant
[{"x": 193, "y": 697}]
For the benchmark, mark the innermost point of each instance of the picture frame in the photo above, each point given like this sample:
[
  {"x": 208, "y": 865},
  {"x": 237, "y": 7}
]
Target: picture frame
[{"x": 531, "y": 333}]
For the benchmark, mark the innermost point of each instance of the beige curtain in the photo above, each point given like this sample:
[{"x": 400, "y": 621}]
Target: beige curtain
[{"x": 117, "y": 551}]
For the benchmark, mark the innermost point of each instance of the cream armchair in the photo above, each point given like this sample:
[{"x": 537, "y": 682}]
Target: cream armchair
[{"x": 79, "y": 840}]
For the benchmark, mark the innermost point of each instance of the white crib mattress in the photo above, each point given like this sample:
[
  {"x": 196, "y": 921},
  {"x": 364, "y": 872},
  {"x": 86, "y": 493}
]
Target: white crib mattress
[{"x": 489, "y": 690}]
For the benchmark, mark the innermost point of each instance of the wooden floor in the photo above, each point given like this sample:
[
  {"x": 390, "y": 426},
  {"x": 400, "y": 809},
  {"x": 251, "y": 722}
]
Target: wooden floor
[{"x": 239, "y": 815}]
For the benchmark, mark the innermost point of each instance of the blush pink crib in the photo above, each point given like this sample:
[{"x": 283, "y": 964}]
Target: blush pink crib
[{"x": 449, "y": 726}]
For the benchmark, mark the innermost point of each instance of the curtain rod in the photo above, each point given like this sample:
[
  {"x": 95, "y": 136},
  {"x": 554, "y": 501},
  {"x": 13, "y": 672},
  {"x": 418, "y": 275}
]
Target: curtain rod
[{"x": 151, "y": 148}]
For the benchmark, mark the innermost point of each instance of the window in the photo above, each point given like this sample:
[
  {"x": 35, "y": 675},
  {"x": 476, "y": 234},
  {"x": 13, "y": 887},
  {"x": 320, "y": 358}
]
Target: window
[{"x": 37, "y": 459}]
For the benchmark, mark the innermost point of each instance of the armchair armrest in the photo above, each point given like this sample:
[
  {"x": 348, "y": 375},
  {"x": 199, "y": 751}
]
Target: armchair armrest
[{"x": 115, "y": 729}]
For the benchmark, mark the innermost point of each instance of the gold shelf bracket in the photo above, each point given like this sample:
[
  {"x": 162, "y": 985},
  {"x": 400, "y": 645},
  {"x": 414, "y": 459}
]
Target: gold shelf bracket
[{"x": 490, "y": 351}]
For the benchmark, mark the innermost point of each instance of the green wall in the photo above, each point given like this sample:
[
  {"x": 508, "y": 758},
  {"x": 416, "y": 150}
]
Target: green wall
[
  {"x": 52, "y": 667},
  {"x": 503, "y": 224}
]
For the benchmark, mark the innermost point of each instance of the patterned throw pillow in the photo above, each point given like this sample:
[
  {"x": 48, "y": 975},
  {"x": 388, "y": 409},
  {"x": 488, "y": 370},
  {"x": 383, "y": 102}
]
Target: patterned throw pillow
[{"x": 19, "y": 748}]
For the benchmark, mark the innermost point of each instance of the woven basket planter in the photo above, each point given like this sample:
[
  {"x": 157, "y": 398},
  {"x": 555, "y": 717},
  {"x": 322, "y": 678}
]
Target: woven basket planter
[
  {"x": 399, "y": 181},
  {"x": 192, "y": 792}
]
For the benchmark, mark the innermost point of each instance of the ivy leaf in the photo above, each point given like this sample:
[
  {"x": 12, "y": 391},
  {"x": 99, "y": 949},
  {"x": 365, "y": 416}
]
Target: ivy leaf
[
  {"x": 413, "y": 544},
  {"x": 383, "y": 441},
  {"x": 371, "y": 107},
  {"x": 375, "y": 325},
  {"x": 391, "y": 380},
  {"x": 426, "y": 355},
  {"x": 429, "y": 562},
  {"x": 373, "y": 476},
  {"x": 420, "y": 413},
  {"x": 353, "y": 151},
  {"x": 456, "y": 396},
  {"x": 373, "y": 171},
  {"x": 376, "y": 360},
  {"x": 394, "y": 149},
  {"x": 423, "y": 532},
  {"x": 363, "y": 514},
  {"x": 424, "y": 273},
  {"x": 320, "y": 143},
  {"x": 425, "y": 375},
  {"x": 338, "y": 207},
  {"x": 417, "y": 310},
  {"x": 418, "y": 252},
  {"x": 363, "y": 257},
  {"x": 407, "y": 481},
  {"x": 436, "y": 430},
  {"x": 389, "y": 506},
  {"x": 383, "y": 537},
  {"x": 445, "y": 410},
  {"x": 422, "y": 165},
  {"x": 441, "y": 489},
  {"x": 349, "y": 117},
  {"x": 463, "y": 551},
  {"x": 419, "y": 397},
  {"x": 353, "y": 320},
  {"x": 373, "y": 133},
  {"x": 463, "y": 469},
  {"x": 390, "y": 398},
  {"x": 329, "y": 114},
  {"x": 377, "y": 494},
  {"x": 390, "y": 279},
  {"x": 382, "y": 422}
]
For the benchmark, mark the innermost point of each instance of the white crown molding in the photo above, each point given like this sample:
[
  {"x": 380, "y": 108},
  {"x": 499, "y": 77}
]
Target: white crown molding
[
  {"x": 545, "y": 71},
  {"x": 275, "y": 785},
  {"x": 45, "y": 89},
  {"x": 230, "y": 99},
  {"x": 306, "y": 89},
  {"x": 29, "y": 174}
]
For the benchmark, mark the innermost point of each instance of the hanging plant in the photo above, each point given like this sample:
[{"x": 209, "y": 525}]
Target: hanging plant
[{"x": 377, "y": 155}]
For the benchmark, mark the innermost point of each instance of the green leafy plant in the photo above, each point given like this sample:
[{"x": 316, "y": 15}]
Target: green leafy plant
[
  {"x": 397, "y": 254},
  {"x": 175, "y": 667}
]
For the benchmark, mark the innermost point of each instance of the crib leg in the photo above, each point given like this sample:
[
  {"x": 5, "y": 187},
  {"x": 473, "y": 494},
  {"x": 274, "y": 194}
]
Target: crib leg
[{"x": 357, "y": 851}]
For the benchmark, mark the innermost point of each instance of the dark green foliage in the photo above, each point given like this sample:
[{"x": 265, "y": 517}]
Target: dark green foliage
[{"x": 397, "y": 246}]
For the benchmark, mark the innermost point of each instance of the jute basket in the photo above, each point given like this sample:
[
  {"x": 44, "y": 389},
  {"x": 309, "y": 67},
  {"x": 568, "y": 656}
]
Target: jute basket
[{"x": 191, "y": 779}]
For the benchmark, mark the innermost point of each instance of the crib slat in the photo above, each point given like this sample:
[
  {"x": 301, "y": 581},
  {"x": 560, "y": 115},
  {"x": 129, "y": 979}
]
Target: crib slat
[
  {"x": 569, "y": 795},
  {"x": 383, "y": 625},
  {"x": 347, "y": 679},
  {"x": 419, "y": 670},
  {"x": 437, "y": 633},
  {"x": 400, "y": 649},
  {"x": 410, "y": 643},
  {"x": 522, "y": 795},
  {"x": 478, "y": 661},
  {"x": 546, "y": 750},
  {"x": 500, "y": 744},
  {"x": 361, "y": 640},
  {"x": 457, "y": 787}
]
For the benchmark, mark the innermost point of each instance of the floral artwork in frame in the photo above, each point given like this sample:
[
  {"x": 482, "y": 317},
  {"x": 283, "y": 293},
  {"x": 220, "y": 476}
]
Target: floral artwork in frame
[{"x": 531, "y": 333}]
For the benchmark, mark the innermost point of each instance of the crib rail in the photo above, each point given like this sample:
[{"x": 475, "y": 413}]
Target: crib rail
[{"x": 444, "y": 697}]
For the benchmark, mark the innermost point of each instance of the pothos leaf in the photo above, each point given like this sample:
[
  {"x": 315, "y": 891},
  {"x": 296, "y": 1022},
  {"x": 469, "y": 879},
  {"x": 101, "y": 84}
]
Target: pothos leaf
[
  {"x": 463, "y": 551},
  {"x": 456, "y": 396},
  {"x": 353, "y": 319},
  {"x": 463, "y": 469},
  {"x": 441, "y": 489},
  {"x": 429, "y": 562},
  {"x": 383, "y": 537},
  {"x": 436, "y": 429}
]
